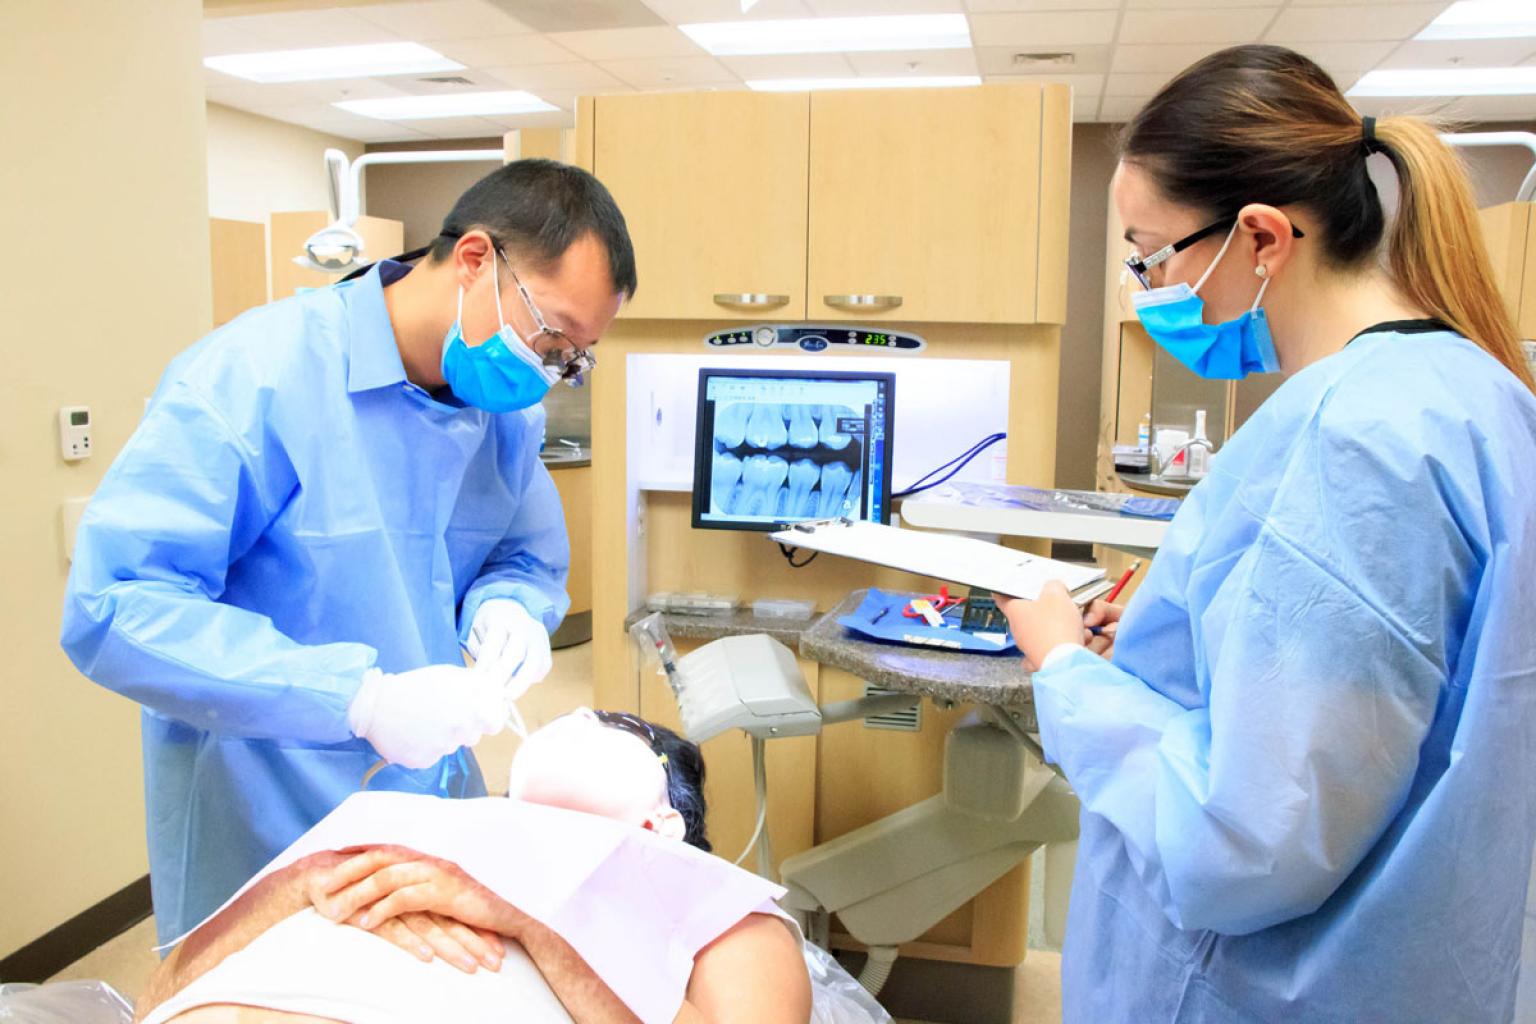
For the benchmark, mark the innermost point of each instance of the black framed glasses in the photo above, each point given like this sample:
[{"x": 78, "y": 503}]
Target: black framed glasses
[
  {"x": 635, "y": 726},
  {"x": 1139, "y": 265}
]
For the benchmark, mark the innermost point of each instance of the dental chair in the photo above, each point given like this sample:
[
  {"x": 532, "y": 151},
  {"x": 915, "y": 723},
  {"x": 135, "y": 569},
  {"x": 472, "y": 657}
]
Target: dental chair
[{"x": 893, "y": 879}]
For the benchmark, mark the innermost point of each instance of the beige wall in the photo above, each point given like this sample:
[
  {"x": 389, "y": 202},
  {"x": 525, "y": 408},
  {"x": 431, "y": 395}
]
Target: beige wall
[
  {"x": 420, "y": 195},
  {"x": 103, "y": 188},
  {"x": 257, "y": 166}
]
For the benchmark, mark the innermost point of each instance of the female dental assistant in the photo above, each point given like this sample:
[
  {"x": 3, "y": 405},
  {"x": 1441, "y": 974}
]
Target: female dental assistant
[
  {"x": 1306, "y": 766},
  {"x": 325, "y": 499}
]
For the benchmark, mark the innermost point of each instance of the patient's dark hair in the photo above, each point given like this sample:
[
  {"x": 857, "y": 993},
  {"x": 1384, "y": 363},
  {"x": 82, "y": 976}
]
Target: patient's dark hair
[
  {"x": 685, "y": 783},
  {"x": 537, "y": 209}
]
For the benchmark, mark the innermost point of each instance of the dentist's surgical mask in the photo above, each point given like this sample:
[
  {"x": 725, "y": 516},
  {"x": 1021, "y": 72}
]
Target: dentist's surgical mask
[
  {"x": 1174, "y": 316},
  {"x": 502, "y": 374}
]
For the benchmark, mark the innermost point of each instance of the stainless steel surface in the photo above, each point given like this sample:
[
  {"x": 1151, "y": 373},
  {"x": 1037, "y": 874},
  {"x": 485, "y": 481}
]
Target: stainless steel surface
[
  {"x": 1156, "y": 485},
  {"x": 566, "y": 457},
  {"x": 863, "y": 302},
  {"x": 750, "y": 300}
]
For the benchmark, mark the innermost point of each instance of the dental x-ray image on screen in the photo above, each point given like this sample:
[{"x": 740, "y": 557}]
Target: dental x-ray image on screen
[{"x": 781, "y": 446}]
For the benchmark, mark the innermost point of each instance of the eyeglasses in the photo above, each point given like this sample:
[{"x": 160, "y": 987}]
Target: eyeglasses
[
  {"x": 1139, "y": 265},
  {"x": 635, "y": 726},
  {"x": 573, "y": 363}
]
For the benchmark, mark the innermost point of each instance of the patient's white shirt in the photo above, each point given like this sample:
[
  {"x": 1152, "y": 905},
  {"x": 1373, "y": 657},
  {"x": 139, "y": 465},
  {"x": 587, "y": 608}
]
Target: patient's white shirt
[{"x": 309, "y": 964}]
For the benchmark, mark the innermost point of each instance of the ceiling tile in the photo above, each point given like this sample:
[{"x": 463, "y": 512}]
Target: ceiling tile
[
  {"x": 1043, "y": 29},
  {"x": 790, "y": 65},
  {"x": 1357, "y": 3},
  {"x": 628, "y": 43},
  {"x": 548, "y": 119},
  {"x": 220, "y": 37},
  {"x": 1138, "y": 83},
  {"x": 557, "y": 77},
  {"x": 298, "y": 30},
  {"x": 988, "y": 6},
  {"x": 1360, "y": 56},
  {"x": 1471, "y": 53},
  {"x": 457, "y": 127},
  {"x": 566, "y": 99},
  {"x": 864, "y": 8},
  {"x": 1206, "y": 4},
  {"x": 493, "y": 51},
  {"x": 1389, "y": 106},
  {"x": 1239, "y": 25},
  {"x": 363, "y": 129},
  {"x": 689, "y": 12},
  {"x": 929, "y": 62},
  {"x": 249, "y": 95},
  {"x": 1171, "y": 57},
  {"x": 442, "y": 19},
  {"x": 1084, "y": 87},
  {"x": 1118, "y": 109},
  {"x": 1341, "y": 23},
  {"x": 998, "y": 60},
  {"x": 474, "y": 80},
  {"x": 1491, "y": 108},
  {"x": 670, "y": 72}
]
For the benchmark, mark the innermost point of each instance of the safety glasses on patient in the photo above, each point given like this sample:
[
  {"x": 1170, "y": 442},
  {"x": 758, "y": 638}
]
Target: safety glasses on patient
[{"x": 638, "y": 727}]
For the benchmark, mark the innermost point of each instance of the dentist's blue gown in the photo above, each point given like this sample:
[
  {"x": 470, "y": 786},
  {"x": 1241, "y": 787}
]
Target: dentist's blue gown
[
  {"x": 290, "y": 513},
  {"x": 1309, "y": 775}
]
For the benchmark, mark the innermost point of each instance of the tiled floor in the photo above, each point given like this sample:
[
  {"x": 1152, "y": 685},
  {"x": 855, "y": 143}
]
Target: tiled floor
[{"x": 127, "y": 961}]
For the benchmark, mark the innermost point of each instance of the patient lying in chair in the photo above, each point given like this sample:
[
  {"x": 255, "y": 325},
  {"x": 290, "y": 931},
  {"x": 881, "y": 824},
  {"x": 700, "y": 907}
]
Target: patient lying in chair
[{"x": 583, "y": 898}]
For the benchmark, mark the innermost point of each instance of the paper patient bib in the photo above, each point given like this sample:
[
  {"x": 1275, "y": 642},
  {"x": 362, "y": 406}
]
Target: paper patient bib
[{"x": 636, "y": 906}]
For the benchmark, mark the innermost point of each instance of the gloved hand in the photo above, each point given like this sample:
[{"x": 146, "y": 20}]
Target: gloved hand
[
  {"x": 414, "y": 718},
  {"x": 509, "y": 645}
]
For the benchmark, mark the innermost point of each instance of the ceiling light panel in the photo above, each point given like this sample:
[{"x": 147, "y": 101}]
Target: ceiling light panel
[
  {"x": 1519, "y": 81},
  {"x": 464, "y": 104},
  {"x": 832, "y": 35},
  {"x": 907, "y": 82},
  {"x": 1483, "y": 19},
  {"x": 313, "y": 65}
]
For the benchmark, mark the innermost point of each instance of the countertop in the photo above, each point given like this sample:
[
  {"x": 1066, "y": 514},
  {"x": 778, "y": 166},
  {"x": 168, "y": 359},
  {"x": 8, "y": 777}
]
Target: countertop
[
  {"x": 938, "y": 674},
  {"x": 942, "y": 675},
  {"x": 1173, "y": 488}
]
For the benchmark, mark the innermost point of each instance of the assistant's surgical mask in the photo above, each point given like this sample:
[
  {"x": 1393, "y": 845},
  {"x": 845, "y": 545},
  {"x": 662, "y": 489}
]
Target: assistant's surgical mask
[
  {"x": 503, "y": 373},
  {"x": 1174, "y": 316}
]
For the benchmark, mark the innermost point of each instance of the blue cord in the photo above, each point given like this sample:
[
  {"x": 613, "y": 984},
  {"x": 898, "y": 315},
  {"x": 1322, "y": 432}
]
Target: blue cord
[{"x": 959, "y": 462}]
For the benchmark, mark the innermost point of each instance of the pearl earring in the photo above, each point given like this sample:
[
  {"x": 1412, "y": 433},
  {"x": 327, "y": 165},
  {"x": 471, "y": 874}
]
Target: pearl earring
[{"x": 1261, "y": 270}]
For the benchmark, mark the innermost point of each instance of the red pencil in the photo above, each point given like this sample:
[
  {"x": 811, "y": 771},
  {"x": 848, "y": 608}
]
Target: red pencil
[{"x": 1125, "y": 578}]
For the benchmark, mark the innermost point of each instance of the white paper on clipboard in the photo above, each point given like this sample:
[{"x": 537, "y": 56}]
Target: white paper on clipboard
[{"x": 964, "y": 560}]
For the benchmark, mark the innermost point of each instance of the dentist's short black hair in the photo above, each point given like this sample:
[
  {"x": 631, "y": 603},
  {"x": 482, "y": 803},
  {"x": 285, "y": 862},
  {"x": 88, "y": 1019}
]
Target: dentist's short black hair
[{"x": 536, "y": 209}]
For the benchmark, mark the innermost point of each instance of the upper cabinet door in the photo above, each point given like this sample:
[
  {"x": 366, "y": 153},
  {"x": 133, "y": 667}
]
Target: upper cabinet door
[
  {"x": 713, "y": 186},
  {"x": 926, "y": 205}
]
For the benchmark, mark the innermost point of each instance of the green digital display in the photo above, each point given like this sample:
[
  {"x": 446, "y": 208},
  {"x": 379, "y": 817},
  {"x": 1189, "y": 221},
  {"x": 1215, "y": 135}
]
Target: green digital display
[
  {"x": 79, "y": 419},
  {"x": 878, "y": 340}
]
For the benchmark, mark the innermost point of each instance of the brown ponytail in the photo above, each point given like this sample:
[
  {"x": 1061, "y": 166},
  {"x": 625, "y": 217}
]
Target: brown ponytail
[
  {"x": 1436, "y": 252},
  {"x": 1265, "y": 124}
]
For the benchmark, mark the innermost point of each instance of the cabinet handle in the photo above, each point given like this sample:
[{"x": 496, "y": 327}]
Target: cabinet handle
[
  {"x": 750, "y": 300},
  {"x": 863, "y": 302}
]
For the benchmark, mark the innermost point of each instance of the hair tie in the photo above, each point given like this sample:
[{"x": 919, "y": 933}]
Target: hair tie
[{"x": 1368, "y": 136}]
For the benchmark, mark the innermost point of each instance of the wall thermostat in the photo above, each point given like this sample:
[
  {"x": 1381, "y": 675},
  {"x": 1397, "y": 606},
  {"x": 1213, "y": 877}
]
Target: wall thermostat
[{"x": 75, "y": 432}]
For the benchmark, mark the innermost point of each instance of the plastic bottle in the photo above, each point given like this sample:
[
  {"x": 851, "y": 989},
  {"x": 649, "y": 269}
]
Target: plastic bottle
[
  {"x": 1144, "y": 432},
  {"x": 1199, "y": 458}
]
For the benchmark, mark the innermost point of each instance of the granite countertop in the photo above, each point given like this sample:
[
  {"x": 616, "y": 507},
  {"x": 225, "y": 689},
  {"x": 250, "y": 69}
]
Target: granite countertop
[
  {"x": 737, "y": 623},
  {"x": 942, "y": 675}
]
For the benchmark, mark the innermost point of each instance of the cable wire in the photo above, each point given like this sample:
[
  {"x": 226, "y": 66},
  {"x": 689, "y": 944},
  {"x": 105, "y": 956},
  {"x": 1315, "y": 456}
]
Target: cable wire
[{"x": 959, "y": 462}]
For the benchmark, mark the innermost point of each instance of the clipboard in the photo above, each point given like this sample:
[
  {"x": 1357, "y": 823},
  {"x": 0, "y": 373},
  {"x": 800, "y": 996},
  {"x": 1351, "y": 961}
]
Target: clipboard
[{"x": 963, "y": 560}]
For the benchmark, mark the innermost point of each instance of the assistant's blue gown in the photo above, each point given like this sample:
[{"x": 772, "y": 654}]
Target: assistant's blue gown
[{"x": 1309, "y": 775}]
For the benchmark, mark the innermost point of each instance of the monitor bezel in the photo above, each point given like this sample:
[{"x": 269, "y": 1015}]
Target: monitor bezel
[{"x": 703, "y": 445}]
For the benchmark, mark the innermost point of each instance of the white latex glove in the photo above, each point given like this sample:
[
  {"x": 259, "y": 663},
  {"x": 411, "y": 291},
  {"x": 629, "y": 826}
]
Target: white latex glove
[
  {"x": 415, "y": 718},
  {"x": 510, "y": 646}
]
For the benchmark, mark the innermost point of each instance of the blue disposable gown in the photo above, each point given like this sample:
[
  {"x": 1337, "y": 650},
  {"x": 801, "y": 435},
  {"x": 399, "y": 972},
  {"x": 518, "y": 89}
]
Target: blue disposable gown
[
  {"x": 1309, "y": 775},
  {"x": 291, "y": 512}
]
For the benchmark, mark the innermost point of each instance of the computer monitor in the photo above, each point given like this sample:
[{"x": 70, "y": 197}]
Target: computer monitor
[{"x": 782, "y": 446}]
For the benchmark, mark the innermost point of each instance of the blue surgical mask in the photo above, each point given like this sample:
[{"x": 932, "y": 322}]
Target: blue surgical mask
[
  {"x": 1175, "y": 318},
  {"x": 502, "y": 374}
]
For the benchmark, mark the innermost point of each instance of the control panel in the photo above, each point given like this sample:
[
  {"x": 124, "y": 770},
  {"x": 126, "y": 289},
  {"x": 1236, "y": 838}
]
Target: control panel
[
  {"x": 836, "y": 338},
  {"x": 75, "y": 433}
]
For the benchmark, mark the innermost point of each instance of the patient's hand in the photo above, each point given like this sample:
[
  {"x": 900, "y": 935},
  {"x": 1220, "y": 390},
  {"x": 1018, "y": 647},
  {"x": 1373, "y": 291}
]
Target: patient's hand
[{"x": 423, "y": 905}]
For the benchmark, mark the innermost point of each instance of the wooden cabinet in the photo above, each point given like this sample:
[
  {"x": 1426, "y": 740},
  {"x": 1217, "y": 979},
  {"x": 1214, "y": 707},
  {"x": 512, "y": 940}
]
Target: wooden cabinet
[
  {"x": 1510, "y": 232},
  {"x": 934, "y": 198},
  {"x": 238, "y": 256},
  {"x": 913, "y": 205},
  {"x": 713, "y": 187}
]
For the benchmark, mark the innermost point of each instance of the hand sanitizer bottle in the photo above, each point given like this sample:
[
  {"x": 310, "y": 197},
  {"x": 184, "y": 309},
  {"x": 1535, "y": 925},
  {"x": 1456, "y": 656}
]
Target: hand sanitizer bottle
[{"x": 1199, "y": 457}]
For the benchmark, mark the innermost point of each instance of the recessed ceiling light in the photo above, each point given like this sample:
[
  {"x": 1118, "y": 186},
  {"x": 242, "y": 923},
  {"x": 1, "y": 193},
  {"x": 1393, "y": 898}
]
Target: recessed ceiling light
[
  {"x": 332, "y": 62},
  {"x": 908, "y": 82},
  {"x": 1483, "y": 19},
  {"x": 463, "y": 104},
  {"x": 832, "y": 35},
  {"x": 1519, "y": 81}
]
